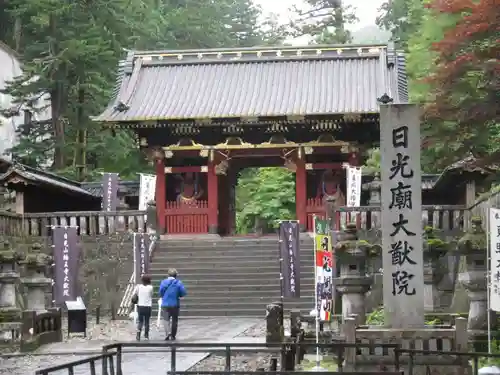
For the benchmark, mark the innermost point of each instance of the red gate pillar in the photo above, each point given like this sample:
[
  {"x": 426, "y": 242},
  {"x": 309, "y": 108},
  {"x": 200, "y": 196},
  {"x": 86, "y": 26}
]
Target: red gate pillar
[
  {"x": 213, "y": 199},
  {"x": 161, "y": 194},
  {"x": 301, "y": 194}
]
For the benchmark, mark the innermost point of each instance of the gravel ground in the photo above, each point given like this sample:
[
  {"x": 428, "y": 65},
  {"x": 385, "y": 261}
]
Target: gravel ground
[
  {"x": 241, "y": 361},
  {"x": 97, "y": 336}
]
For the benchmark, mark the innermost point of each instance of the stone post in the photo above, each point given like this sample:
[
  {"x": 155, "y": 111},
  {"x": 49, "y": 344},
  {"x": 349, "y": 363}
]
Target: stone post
[
  {"x": 10, "y": 313},
  {"x": 434, "y": 268},
  {"x": 275, "y": 330},
  {"x": 36, "y": 281},
  {"x": 473, "y": 246},
  {"x": 151, "y": 215},
  {"x": 353, "y": 282}
]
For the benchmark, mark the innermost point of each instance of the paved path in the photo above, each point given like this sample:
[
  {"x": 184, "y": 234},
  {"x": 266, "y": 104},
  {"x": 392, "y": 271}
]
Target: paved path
[{"x": 190, "y": 330}]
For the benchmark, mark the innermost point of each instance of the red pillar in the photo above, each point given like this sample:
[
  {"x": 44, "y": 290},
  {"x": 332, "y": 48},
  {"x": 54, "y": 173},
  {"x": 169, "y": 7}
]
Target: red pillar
[
  {"x": 161, "y": 195},
  {"x": 213, "y": 199},
  {"x": 301, "y": 194}
]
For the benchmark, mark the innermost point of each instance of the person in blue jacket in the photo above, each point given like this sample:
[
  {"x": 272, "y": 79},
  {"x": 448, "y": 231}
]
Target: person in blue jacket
[{"x": 171, "y": 292}]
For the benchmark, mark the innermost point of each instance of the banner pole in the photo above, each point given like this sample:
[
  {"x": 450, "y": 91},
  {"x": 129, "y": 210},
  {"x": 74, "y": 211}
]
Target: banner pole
[
  {"x": 316, "y": 297},
  {"x": 488, "y": 276}
]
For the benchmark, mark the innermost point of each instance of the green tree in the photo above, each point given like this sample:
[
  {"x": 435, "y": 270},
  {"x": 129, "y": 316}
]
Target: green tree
[
  {"x": 70, "y": 52},
  {"x": 402, "y": 18},
  {"x": 325, "y": 21},
  {"x": 264, "y": 196}
]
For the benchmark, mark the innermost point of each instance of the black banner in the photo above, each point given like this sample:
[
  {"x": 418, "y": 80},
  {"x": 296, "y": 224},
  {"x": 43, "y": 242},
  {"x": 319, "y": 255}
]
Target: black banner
[
  {"x": 109, "y": 191},
  {"x": 66, "y": 254},
  {"x": 290, "y": 254},
  {"x": 141, "y": 255}
]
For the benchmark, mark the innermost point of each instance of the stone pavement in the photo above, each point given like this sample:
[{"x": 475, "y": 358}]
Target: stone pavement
[{"x": 190, "y": 330}]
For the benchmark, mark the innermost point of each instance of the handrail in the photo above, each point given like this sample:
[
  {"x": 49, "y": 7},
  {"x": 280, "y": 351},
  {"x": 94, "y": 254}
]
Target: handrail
[{"x": 89, "y": 360}]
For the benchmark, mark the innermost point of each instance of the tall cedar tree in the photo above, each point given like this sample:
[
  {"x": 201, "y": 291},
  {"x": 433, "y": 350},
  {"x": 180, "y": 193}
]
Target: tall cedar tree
[
  {"x": 465, "y": 85},
  {"x": 325, "y": 21}
]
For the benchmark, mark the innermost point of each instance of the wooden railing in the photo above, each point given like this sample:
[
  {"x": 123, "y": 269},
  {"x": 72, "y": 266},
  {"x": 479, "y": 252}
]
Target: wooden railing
[
  {"x": 186, "y": 218},
  {"x": 89, "y": 223}
]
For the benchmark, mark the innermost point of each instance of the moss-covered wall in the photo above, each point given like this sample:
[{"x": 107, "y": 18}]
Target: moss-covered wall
[{"x": 105, "y": 267}]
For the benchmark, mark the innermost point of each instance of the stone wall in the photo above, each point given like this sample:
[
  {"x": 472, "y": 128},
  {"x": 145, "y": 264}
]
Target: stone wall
[{"x": 105, "y": 267}]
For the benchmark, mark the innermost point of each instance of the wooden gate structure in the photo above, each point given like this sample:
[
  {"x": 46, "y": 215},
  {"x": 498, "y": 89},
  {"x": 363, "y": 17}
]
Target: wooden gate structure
[{"x": 204, "y": 115}]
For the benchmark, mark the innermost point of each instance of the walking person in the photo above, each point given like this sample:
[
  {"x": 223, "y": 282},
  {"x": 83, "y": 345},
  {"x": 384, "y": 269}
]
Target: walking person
[
  {"x": 171, "y": 292},
  {"x": 143, "y": 294}
]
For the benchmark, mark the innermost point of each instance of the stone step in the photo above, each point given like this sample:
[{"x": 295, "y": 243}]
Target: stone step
[
  {"x": 248, "y": 276},
  {"x": 246, "y": 299},
  {"x": 226, "y": 257},
  {"x": 230, "y": 242},
  {"x": 215, "y": 288},
  {"x": 258, "y": 307},
  {"x": 202, "y": 269},
  {"x": 218, "y": 311},
  {"x": 218, "y": 252},
  {"x": 235, "y": 293}
]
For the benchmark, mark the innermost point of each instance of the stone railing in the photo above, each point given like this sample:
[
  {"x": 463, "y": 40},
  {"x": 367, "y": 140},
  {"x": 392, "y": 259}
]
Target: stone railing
[
  {"x": 90, "y": 223},
  {"x": 446, "y": 218},
  {"x": 443, "y": 338},
  {"x": 40, "y": 328}
]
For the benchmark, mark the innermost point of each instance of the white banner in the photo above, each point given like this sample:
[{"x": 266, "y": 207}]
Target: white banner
[
  {"x": 494, "y": 259},
  {"x": 353, "y": 185},
  {"x": 147, "y": 190}
]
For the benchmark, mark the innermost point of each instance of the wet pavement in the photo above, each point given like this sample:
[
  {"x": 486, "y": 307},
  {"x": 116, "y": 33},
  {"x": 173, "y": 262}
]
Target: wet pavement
[{"x": 216, "y": 330}]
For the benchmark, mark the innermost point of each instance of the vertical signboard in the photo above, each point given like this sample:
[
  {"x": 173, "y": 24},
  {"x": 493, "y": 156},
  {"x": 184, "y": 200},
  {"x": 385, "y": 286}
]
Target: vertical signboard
[
  {"x": 402, "y": 256},
  {"x": 66, "y": 254},
  {"x": 141, "y": 255},
  {"x": 324, "y": 269},
  {"x": 494, "y": 259},
  {"x": 147, "y": 189},
  {"x": 289, "y": 243},
  {"x": 109, "y": 191}
]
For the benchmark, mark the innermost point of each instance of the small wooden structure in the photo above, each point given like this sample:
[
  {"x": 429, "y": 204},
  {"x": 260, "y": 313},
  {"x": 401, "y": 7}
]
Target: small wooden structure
[{"x": 41, "y": 191}]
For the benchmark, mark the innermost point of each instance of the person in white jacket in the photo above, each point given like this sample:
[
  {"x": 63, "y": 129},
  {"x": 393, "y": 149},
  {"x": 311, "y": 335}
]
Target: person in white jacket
[{"x": 144, "y": 293}]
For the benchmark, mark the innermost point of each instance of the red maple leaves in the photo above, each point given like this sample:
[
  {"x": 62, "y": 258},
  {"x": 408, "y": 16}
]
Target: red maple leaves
[{"x": 466, "y": 81}]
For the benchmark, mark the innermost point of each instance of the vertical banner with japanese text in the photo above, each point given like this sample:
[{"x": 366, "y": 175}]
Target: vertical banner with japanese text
[
  {"x": 353, "y": 184},
  {"x": 402, "y": 250},
  {"x": 494, "y": 232},
  {"x": 289, "y": 243},
  {"x": 147, "y": 190},
  {"x": 324, "y": 269},
  {"x": 109, "y": 191},
  {"x": 66, "y": 253},
  {"x": 141, "y": 255}
]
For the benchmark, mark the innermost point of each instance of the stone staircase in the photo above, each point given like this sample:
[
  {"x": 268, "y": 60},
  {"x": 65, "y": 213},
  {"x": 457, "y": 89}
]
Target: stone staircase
[{"x": 231, "y": 276}]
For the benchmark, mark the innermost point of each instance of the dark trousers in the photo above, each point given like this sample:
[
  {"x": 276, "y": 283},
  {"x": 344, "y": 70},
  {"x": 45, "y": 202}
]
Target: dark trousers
[
  {"x": 143, "y": 319},
  {"x": 170, "y": 316}
]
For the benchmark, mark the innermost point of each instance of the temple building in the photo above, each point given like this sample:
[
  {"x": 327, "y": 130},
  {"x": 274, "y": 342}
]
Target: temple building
[{"x": 204, "y": 115}]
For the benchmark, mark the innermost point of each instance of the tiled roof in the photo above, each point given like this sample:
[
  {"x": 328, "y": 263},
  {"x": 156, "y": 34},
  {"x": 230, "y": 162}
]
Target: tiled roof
[
  {"x": 37, "y": 176},
  {"x": 212, "y": 84},
  {"x": 130, "y": 188}
]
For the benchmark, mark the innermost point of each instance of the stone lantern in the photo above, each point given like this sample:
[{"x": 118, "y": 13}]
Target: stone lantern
[
  {"x": 10, "y": 313},
  {"x": 36, "y": 281},
  {"x": 435, "y": 268},
  {"x": 473, "y": 247},
  {"x": 353, "y": 283}
]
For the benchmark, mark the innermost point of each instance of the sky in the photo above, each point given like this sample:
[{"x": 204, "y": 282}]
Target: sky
[{"x": 366, "y": 10}]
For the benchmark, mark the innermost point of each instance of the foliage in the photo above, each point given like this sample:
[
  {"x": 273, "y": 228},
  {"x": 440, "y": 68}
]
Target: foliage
[
  {"x": 463, "y": 108},
  {"x": 325, "y": 21},
  {"x": 70, "y": 53},
  {"x": 401, "y": 18},
  {"x": 266, "y": 194},
  {"x": 372, "y": 164},
  {"x": 376, "y": 318}
]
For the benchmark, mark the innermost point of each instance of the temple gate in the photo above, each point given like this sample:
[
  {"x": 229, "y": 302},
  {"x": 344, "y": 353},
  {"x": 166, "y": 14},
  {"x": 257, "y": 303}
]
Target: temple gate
[{"x": 204, "y": 115}]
